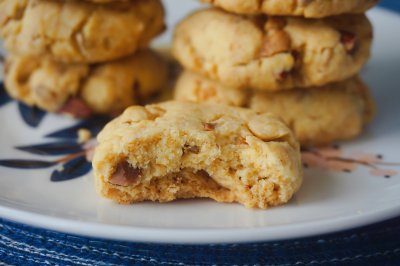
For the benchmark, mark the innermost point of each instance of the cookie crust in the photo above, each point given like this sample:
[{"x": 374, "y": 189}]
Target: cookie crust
[
  {"x": 272, "y": 53},
  {"x": 79, "y": 31}
]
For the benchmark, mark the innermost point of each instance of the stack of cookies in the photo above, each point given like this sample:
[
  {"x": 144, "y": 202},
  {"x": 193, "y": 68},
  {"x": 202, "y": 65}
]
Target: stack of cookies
[
  {"x": 297, "y": 59},
  {"x": 82, "y": 57}
]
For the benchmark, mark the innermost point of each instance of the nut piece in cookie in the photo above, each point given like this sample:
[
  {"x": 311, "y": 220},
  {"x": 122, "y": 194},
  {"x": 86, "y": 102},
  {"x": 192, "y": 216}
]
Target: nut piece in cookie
[
  {"x": 178, "y": 150},
  {"x": 317, "y": 116}
]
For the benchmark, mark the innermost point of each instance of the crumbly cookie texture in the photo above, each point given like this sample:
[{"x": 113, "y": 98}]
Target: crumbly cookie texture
[
  {"x": 79, "y": 31},
  {"x": 81, "y": 89},
  {"x": 185, "y": 150},
  {"x": 272, "y": 53},
  {"x": 318, "y": 116},
  {"x": 306, "y": 8}
]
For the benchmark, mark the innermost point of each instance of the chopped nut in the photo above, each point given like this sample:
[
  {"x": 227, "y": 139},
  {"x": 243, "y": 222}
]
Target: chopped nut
[
  {"x": 190, "y": 148},
  {"x": 349, "y": 41},
  {"x": 270, "y": 129},
  {"x": 203, "y": 174},
  {"x": 282, "y": 76},
  {"x": 209, "y": 126},
  {"x": 276, "y": 41},
  {"x": 125, "y": 175}
]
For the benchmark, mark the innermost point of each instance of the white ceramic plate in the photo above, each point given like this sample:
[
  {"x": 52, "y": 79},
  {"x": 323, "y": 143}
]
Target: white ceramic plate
[{"x": 331, "y": 199}]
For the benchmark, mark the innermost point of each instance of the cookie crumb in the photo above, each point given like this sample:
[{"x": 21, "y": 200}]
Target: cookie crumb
[{"x": 84, "y": 135}]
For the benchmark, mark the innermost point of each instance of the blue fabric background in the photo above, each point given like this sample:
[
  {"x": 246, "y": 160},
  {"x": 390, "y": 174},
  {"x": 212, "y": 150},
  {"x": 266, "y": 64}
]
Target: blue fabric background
[
  {"x": 391, "y": 4},
  {"x": 372, "y": 245},
  {"x": 377, "y": 244}
]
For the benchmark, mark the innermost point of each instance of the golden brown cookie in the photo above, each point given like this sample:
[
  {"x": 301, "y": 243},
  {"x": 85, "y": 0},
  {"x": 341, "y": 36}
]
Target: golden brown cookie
[
  {"x": 306, "y": 8},
  {"x": 106, "y": 88},
  {"x": 318, "y": 116},
  {"x": 272, "y": 53},
  {"x": 177, "y": 150},
  {"x": 114, "y": 86},
  {"x": 79, "y": 31}
]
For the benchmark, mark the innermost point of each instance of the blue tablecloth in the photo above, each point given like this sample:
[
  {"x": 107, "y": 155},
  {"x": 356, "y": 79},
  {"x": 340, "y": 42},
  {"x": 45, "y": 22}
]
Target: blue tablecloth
[
  {"x": 377, "y": 244},
  {"x": 391, "y": 4}
]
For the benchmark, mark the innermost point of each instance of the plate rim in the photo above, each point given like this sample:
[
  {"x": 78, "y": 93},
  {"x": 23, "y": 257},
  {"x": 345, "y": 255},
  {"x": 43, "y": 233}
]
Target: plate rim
[{"x": 196, "y": 236}]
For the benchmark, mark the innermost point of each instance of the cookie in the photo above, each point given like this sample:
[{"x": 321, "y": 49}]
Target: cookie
[
  {"x": 113, "y": 86},
  {"x": 79, "y": 31},
  {"x": 306, "y": 8},
  {"x": 272, "y": 53},
  {"x": 178, "y": 150},
  {"x": 317, "y": 116},
  {"x": 106, "y": 88}
]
